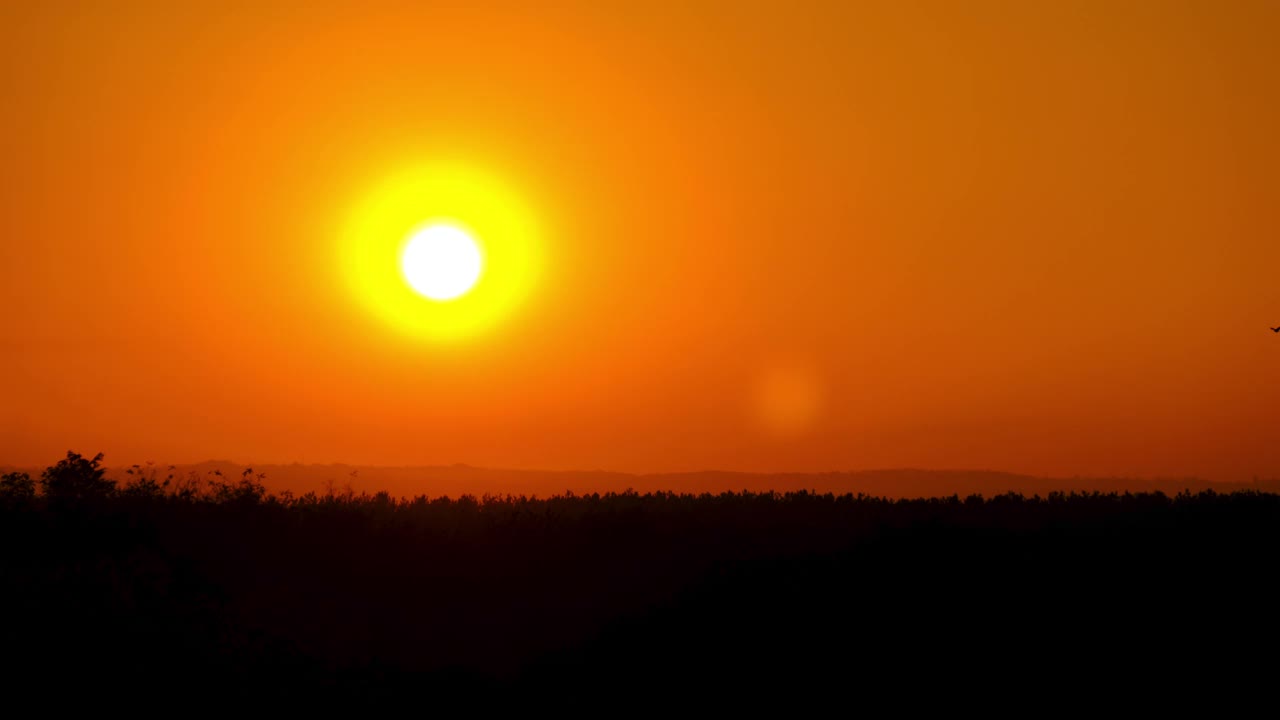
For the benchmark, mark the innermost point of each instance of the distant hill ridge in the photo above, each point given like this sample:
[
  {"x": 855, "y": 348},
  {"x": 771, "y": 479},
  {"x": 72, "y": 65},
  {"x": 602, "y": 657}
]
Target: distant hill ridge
[{"x": 457, "y": 480}]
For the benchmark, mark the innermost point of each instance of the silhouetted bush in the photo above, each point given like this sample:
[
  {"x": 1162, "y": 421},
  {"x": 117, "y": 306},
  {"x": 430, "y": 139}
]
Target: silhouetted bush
[
  {"x": 249, "y": 490},
  {"x": 146, "y": 485},
  {"x": 76, "y": 479}
]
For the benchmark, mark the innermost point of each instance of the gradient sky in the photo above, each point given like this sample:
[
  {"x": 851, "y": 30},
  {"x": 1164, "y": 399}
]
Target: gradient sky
[{"x": 1041, "y": 237}]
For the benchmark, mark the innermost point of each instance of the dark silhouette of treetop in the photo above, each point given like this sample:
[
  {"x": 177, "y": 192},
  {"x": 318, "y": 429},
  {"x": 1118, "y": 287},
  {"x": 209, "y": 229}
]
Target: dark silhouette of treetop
[
  {"x": 76, "y": 478},
  {"x": 17, "y": 488}
]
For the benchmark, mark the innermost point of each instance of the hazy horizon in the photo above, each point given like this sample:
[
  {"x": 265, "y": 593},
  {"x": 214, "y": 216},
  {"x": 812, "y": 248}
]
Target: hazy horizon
[{"x": 460, "y": 479}]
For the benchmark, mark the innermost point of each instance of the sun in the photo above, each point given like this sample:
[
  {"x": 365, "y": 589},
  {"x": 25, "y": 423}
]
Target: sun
[
  {"x": 441, "y": 262},
  {"x": 440, "y": 252}
]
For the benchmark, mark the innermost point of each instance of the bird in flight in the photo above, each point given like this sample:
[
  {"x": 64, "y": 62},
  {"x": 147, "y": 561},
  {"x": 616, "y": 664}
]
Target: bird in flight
[{"x": 1275, "y": 330}]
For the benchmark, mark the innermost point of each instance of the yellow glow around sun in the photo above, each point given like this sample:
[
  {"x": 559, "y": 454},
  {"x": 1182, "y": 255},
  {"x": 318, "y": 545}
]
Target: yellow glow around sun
[{"x": 440, "y": 252}]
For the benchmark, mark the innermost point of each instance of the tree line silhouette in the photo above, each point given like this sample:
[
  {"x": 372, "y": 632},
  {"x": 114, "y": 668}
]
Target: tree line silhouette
[{"x": 214, "y": 588}]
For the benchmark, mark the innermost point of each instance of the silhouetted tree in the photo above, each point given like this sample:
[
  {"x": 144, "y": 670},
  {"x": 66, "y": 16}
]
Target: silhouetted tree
[
  {"x": 76, "y": 478},
  {"x": 17, "y": 488}
]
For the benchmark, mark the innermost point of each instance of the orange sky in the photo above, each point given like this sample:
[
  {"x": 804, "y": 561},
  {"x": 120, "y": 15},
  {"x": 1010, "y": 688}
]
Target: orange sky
[{"x": 1035, "y": 237}]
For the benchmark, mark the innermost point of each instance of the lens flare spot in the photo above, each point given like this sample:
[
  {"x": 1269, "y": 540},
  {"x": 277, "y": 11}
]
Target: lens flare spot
[{"x": 787, "y": 401}]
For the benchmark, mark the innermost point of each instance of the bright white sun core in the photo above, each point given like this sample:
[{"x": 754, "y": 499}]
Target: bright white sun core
[{"x": 441, "y": 262}]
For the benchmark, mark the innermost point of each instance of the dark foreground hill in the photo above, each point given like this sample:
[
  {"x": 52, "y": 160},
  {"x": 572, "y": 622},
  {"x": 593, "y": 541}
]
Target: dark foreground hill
[{"x": 619, "y": 602}]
